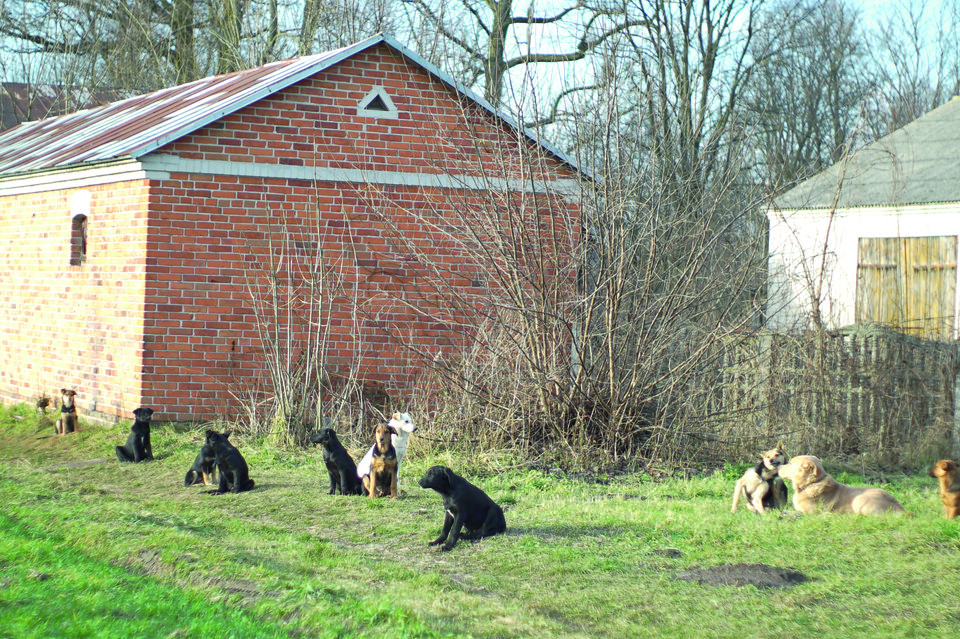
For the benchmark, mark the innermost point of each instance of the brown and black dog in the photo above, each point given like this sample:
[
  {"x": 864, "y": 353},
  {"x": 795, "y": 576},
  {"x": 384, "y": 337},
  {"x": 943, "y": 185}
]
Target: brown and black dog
[
  {"x": 947, "y": 472},
  {"x": 760, "y": 486},
  {"x": 68, "y": 422},
  {"x": 382, "y": 478}
]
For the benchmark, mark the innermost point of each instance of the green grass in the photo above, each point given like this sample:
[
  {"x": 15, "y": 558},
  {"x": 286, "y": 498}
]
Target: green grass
[{"x": 103, "y": 549}]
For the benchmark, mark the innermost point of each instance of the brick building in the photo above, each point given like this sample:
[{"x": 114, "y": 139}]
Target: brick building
[{"x": 146, "y": 245}]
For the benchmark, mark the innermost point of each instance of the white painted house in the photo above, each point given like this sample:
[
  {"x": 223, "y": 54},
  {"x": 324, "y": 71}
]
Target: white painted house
[{"x": 874, "y": 237}]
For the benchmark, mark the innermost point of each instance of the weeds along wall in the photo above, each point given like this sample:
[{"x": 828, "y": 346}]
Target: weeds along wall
[{"x": 302, "y": 227}]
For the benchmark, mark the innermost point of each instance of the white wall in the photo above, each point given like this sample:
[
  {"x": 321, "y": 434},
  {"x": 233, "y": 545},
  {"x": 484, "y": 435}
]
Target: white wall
[{"x": 800, "y": 239}]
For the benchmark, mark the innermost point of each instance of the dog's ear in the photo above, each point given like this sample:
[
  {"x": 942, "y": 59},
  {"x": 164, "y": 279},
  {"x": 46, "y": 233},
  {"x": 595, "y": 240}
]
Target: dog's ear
[
  {"x": 780, "y": 446},
  {"x": 226, "y": 434},
  {"x": 448, "y": 475},
  {"x": 393, "y": 431},
  {"x": 949, "y": 465}
]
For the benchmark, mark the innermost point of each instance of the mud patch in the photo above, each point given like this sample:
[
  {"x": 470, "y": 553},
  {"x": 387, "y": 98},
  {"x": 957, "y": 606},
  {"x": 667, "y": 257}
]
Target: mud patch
[{"x": 759, "y": 575}]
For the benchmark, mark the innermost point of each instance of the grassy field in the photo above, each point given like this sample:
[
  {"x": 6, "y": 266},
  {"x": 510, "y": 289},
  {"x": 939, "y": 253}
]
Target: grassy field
[{"x": 92, "y": 548}]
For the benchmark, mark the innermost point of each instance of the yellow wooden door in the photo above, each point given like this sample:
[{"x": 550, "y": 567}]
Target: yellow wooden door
[{"x": 908, "y": 283}]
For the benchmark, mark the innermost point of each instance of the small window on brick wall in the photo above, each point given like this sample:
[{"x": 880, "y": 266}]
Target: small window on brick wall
[
  {"x": 377, "y": 104},
  {"x": 78, "y": 240},
  {"x": 79, "y": 211}
]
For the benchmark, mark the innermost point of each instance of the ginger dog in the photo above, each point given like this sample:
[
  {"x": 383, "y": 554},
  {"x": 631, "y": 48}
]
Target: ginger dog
[
  {"x": 815, "y": 490},
  {"x": 947, "y": 472}
]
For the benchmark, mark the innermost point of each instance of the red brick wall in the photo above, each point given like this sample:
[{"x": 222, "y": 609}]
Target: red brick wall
[
  {"x": 73, "y": 326},
  {"x": 402, "y": 275},
  {"x": 388, "y": 248}
]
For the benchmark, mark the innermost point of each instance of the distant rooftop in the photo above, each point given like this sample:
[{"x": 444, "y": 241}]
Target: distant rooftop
[
  {"x": 22, "y": 102},
  {"x": 916, "y": 164}
]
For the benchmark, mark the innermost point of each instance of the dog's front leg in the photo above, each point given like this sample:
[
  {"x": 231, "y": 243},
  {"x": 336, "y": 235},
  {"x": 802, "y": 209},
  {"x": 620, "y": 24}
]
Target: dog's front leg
[
  {"x": 139, "y": 452},
  {"x": 223, "y": 485},
  {"x": 447, "y": 524},
  {"x": 332, "y": 476},
  {"x": 344, "y": 481},
  {"x": 455, "y": 529},
  {"x": 370, "y": 485},
  {"x": 758, "y": 494}
]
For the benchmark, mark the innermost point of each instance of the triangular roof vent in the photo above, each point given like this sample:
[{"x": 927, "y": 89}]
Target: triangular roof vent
[{"x": 377, "y": 104}]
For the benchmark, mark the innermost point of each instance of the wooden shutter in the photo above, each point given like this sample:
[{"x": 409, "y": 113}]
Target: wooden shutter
[{"x": 909, "y": 283}]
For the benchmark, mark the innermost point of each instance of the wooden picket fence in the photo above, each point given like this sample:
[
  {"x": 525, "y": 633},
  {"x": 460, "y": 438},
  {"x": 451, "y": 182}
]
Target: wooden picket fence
[{"x": 867, "y": 393}]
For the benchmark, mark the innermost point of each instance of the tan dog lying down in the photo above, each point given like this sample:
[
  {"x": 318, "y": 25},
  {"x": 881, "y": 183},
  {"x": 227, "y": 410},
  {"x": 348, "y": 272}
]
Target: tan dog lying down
[{"x": 814, "y": 489}]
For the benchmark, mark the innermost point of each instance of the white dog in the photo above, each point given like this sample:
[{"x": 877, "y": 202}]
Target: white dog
[{"x": 403, "y": 424}]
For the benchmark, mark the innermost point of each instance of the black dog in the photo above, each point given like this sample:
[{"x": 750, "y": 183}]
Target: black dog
[
  {"x": 465, "y": 506},
  {"x": 137, "y": 448},
  {"x": 204, "y": 466},
  {"x": 231, "y": 466},
  {"x": 340, "y": 466}
]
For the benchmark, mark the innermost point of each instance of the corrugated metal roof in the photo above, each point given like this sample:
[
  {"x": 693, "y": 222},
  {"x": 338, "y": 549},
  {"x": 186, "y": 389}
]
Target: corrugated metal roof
[
  {"x": 916, "y": 164},
  {"x": 137, "y": 126}
]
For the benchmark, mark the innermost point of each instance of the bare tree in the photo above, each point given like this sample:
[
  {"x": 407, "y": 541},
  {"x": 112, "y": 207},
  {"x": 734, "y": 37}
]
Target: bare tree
[
  {"x": 811, "y": 76},
  {"x": 482, "y": 35},
  {"x": 141, "y": 45},
  {"x": 916, "y": 61}
]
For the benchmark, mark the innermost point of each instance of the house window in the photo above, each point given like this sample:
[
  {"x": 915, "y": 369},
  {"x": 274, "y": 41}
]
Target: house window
[
  {"x": 78, "y": 240},
  {"x": 377, "y": 104},
  {"x": 909, "y": 283}
]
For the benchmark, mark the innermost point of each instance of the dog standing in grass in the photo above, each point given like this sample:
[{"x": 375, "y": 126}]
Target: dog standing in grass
[
  {"x": 403, "y": 426},
  {"x": 382, "y": 478},
  {"x": 946, "y": 471},
  {"x": 68, "y": 421},
  {"x": 761, "y": 486},
  {"x": 138, "y": 448}
]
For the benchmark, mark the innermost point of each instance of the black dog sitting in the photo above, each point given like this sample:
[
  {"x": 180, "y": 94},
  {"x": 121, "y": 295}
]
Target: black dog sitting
[
  {"x": 137, "y": 448},
  {"x": 465, "y": 506},
  {"x": 204, "y": 466},
  {"x": 340, "y": 465},
  {"x": 231, "y": 466}
]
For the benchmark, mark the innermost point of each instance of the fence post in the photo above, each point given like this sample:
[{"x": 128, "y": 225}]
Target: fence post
[{"x": 955, "y": 443}]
